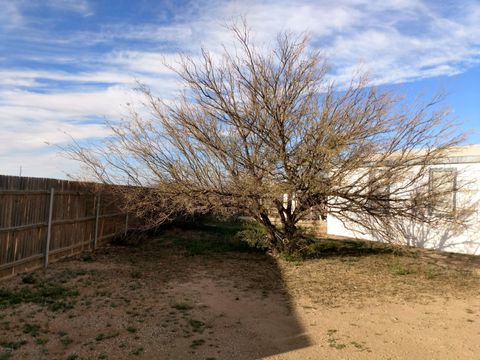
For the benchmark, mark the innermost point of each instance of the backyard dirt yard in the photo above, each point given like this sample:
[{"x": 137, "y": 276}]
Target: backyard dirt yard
[{"x": 190, "y": 294}]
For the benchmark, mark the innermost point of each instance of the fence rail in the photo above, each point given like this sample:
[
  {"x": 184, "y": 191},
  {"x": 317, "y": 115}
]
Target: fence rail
[{"x": 43, "y": 220}]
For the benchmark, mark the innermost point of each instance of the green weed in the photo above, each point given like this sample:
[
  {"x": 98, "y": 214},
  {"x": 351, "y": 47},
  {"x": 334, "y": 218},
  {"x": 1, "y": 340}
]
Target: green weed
[
  {"x": 182, "y": 306},
  {"x": 197, "y": 325},
  {"x": 66, "y": 340},
  {"x": 32, "y": 329},
  {"x": 101, "y": 336},
  {"x": 137, "y": 351},
  {"x": 196, "y": 343},
  {"x": 400, "y": 269},
  {"x": 47, "y": 294},
  {"x": 12, "y": 345},
  {"x": 29, "y": 278}
]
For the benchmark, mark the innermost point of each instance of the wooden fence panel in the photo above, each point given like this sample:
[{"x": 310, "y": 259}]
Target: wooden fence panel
[{"x": 24, "y": 215}]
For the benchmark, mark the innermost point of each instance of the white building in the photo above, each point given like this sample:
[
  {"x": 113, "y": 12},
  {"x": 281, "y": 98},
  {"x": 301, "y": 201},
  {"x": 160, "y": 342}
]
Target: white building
[{"x": 464, "y": 163}]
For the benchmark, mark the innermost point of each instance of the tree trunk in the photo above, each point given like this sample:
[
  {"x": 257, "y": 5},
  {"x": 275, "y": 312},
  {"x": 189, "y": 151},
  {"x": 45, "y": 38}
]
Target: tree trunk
[
  {"x": 289, "y": 239},
  {"x": 272, "y": 232},
  {"x": 290, "y": 245}
]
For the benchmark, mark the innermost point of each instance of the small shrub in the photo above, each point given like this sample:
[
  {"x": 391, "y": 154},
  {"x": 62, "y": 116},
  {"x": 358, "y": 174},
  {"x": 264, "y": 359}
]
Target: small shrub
[
  {"x": 196, "y": 343},
  {"x": 41, "y": 341},
  {"x": 101, "y": 336},
  {"x": 182, "y": 306},
  {"x": 137, "y": 351},
  {"x": 333, "y": 341},
  {"x": 88, "y": 257},
  {"x": 29, "y": 278},
  {"x": 400, "y": 269},
  {"x": 32, "y": 329},
  {"x": 66, "y": 340},
  {"x": 197, "y": 325},
  {"x": 254, "y": 235}
]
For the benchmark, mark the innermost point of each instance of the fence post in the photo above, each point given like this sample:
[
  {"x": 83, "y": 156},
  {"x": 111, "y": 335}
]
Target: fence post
[
  {"x": 49, "y": 228},
  {"x": 126, "y": 224},
  {"x": 97, "y": 219}
]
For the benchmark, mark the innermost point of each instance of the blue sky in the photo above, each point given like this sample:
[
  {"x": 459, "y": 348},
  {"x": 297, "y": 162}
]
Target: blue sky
[{"x": 67, "y": 64}]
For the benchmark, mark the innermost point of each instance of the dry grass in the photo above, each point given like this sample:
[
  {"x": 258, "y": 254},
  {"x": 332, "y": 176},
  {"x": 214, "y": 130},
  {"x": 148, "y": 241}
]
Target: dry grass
[{"x": 416, "y": 275}]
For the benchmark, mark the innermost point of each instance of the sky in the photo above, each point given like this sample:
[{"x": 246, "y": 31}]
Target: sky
[{"x": 67, "y": 65}]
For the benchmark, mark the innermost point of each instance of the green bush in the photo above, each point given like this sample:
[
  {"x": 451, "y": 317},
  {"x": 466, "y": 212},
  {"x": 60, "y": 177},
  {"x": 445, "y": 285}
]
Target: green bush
[{"x": 254, "y": 235}]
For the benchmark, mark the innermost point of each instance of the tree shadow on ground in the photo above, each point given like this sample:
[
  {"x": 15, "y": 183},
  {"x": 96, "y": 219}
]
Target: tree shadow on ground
[
  {"x": 235, "y": 295},
  {"x": 239, "y": 291}
]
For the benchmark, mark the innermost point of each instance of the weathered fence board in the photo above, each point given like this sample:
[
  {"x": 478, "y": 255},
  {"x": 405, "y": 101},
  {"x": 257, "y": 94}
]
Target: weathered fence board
[{"x": 82, "y": 216}]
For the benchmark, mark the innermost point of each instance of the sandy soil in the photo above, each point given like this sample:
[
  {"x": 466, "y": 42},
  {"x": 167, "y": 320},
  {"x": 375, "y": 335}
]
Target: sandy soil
[{"x": 155, "y": 302}]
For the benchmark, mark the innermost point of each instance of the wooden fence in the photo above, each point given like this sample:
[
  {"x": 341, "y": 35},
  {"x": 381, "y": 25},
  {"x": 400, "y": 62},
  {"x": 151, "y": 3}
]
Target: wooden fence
[{"x": 43, "y": 220}]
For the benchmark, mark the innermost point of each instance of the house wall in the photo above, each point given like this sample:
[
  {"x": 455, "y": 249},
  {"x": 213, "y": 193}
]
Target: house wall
[{"x": 465, "y": 240}]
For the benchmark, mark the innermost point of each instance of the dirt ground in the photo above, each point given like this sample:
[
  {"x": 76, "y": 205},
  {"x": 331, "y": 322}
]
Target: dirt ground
[{"x": 157, "y": 301}]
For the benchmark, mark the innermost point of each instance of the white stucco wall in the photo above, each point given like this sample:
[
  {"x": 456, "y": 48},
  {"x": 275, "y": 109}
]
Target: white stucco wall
[{"x": 446, "y": 239}]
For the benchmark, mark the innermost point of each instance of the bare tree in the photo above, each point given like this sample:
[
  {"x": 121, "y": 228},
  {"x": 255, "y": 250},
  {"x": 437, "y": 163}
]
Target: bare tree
[{"x": 254, "y": 125}]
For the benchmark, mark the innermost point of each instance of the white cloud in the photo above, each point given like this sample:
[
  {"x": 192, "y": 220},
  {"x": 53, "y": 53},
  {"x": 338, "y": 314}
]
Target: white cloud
[
  {"x": 49, "y": 164},
  {"x": 174, "y": 33},
  {"x": 10, "y": 15},
  {"x": 376, "y": 34},
  {"x": 34, "y": 124},
  {"x": 31, "y": 120},
  {"x": 34, "y": 76},
  {"x": 68, "y": 104},
  {"x": 143, "y": 61},
  {"x": 79, "y": 6}
]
